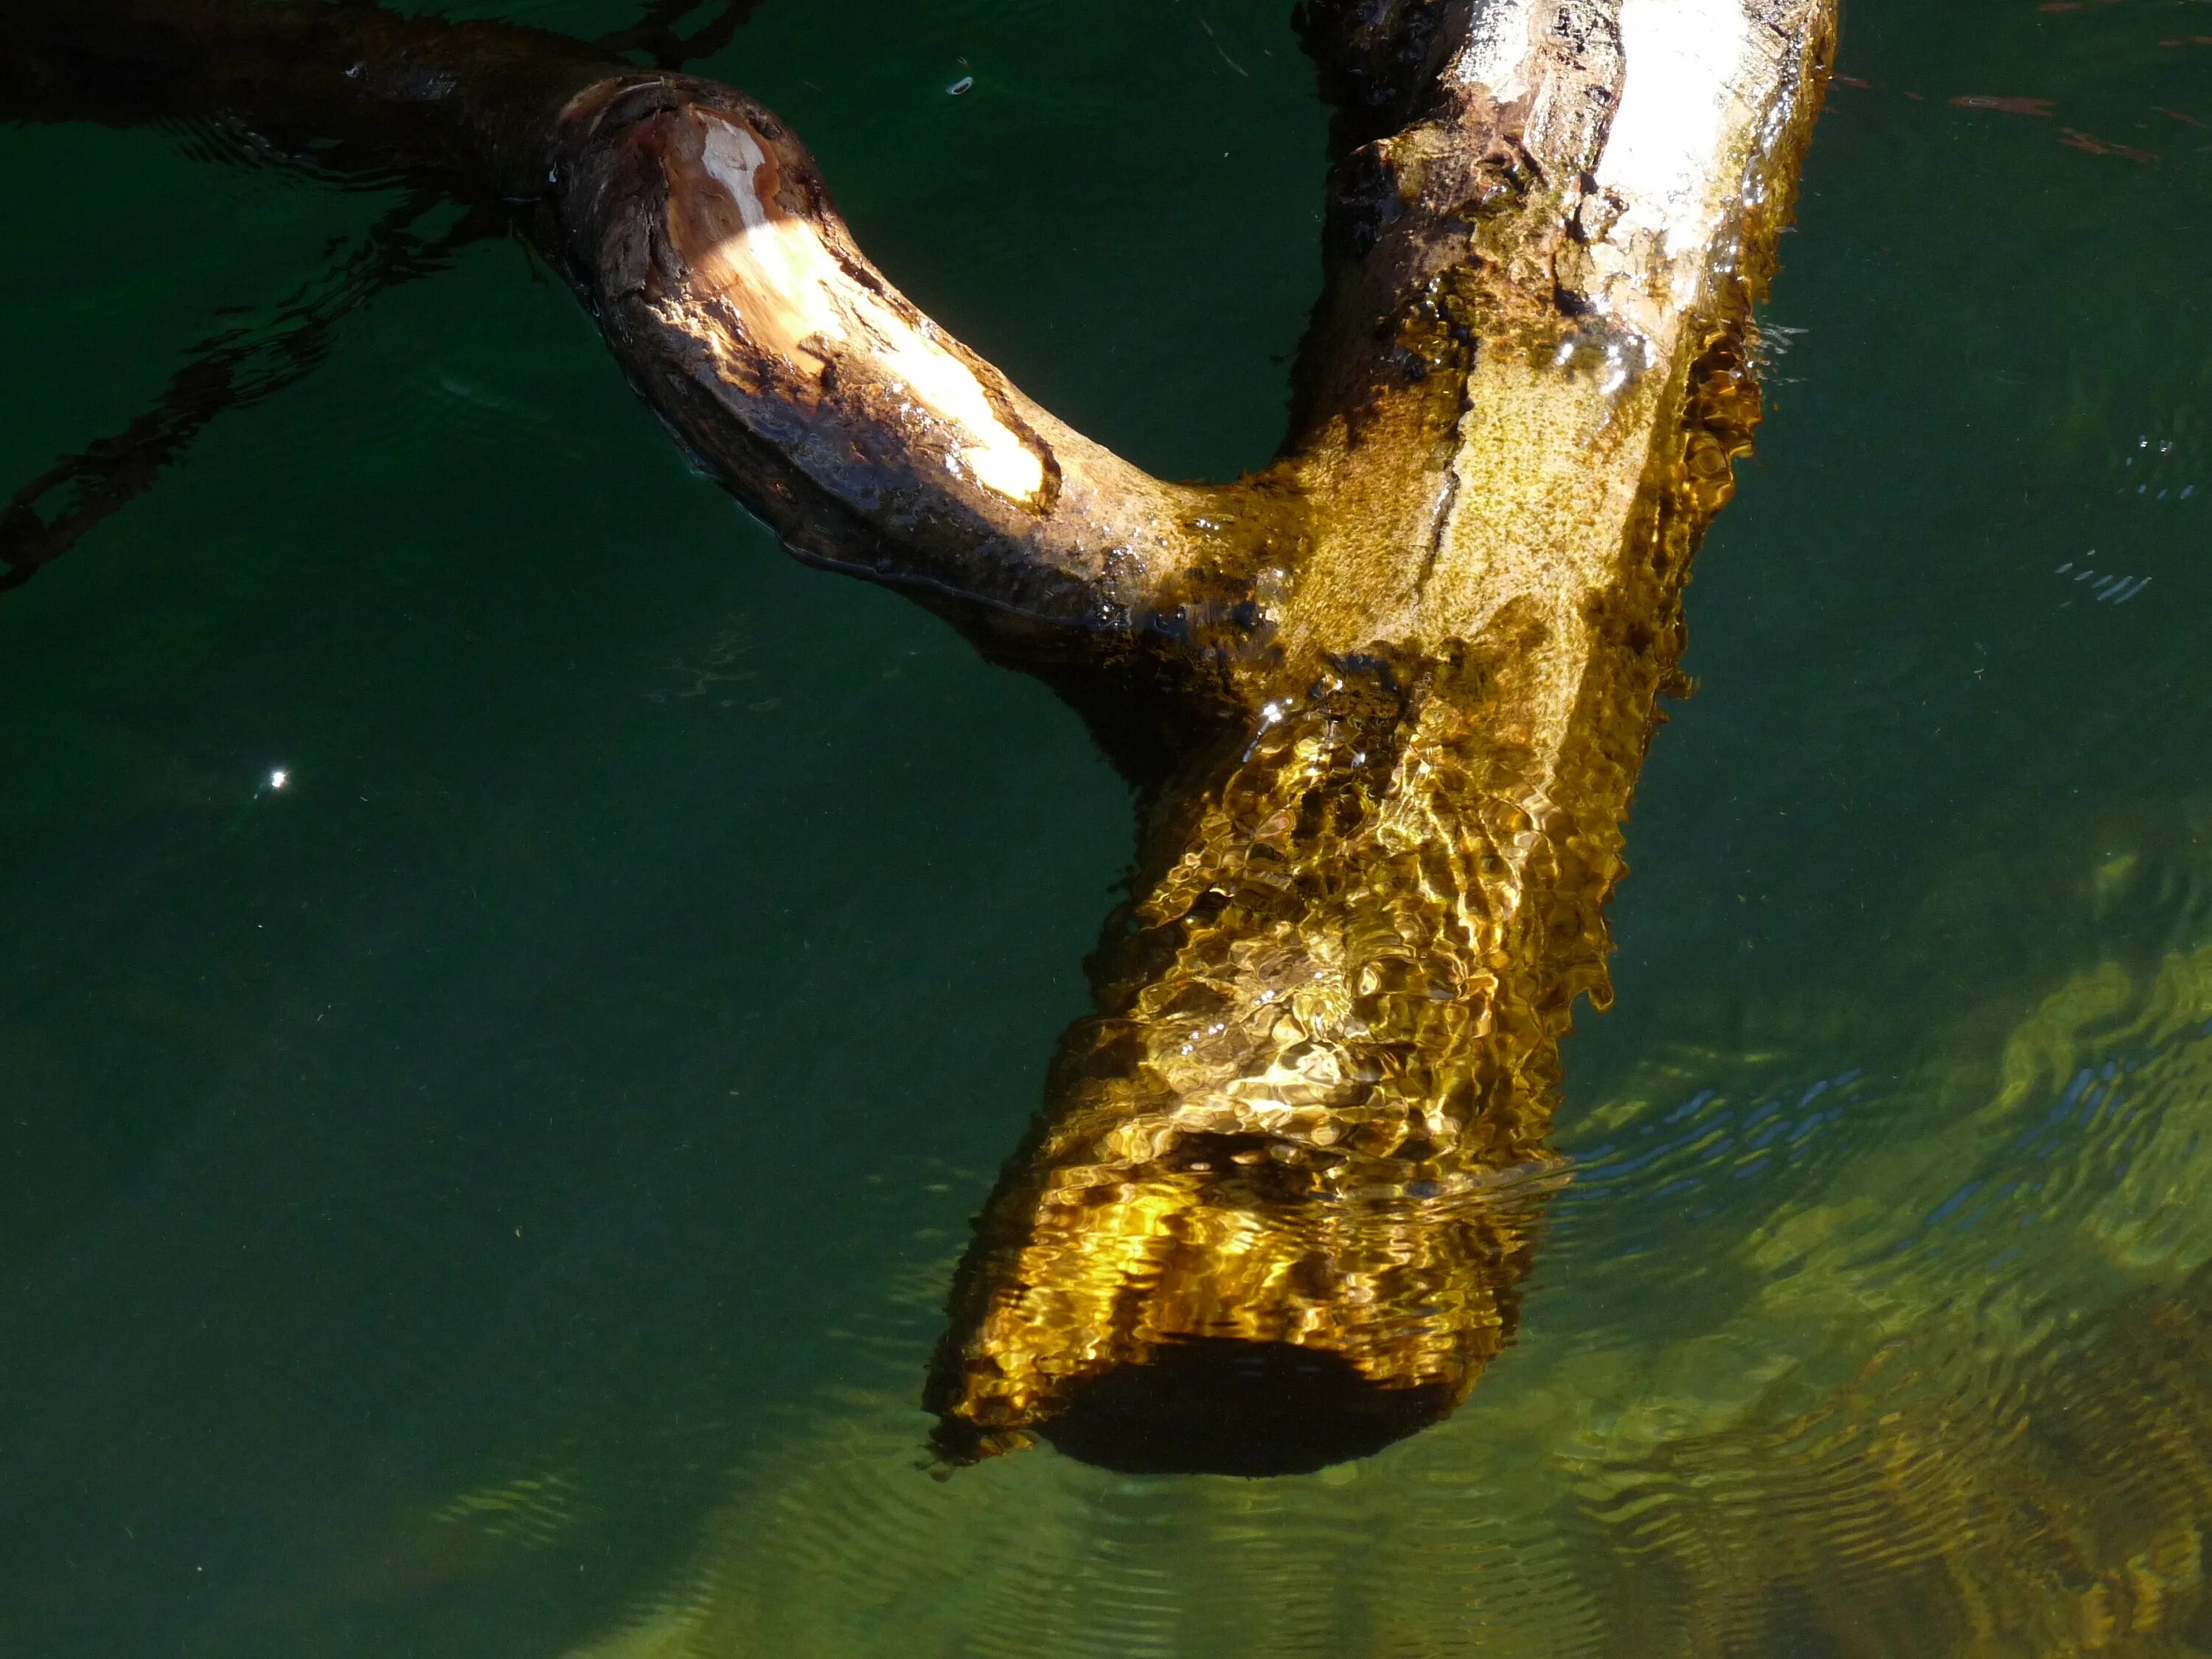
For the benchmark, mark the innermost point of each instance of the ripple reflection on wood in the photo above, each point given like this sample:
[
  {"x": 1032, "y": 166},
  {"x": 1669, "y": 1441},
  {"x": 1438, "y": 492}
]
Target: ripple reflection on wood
[{"x": 1284, "y": 1189}]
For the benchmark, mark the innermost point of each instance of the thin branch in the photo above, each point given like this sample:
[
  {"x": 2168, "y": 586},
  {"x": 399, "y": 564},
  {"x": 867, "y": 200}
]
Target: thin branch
[
  {"x": 234, "y": 369},
  {"x": 466, "y": 106},
  {"x": 656, "y": 34},
  {"x": 1290, "y": 1157}
]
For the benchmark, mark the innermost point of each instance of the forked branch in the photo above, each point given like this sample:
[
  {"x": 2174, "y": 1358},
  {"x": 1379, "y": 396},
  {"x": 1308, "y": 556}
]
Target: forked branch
[{"x": 1279, "y": 1203}]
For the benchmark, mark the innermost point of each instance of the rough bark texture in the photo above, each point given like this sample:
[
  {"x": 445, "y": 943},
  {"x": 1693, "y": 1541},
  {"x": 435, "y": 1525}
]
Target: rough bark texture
[
  {"x": 1299, "y": 1154},
  {"x": 702, "y": 233},
  {"x": 1284, "y": 1187}
]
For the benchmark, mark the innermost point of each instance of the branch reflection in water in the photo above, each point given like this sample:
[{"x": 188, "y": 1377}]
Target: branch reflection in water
[
  {"x": 1282, "y": 1197},
  {"x": 1851, "y": 1432}
]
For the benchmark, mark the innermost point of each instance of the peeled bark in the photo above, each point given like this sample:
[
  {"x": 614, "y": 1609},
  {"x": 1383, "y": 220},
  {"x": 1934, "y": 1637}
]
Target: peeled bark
[
  {"x": 1284, "y": 1189},
  {"x": 1297, "y": 1153}
]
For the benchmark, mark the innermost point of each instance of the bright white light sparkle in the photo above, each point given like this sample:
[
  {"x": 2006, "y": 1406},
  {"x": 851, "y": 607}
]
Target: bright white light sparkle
[{"x": 278, "y": 778}]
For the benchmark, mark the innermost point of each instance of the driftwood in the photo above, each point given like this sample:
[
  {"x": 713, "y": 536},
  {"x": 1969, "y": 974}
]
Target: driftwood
[
  {"x": 1387, "y": 698},
  {"x": 235, "y": 369}
]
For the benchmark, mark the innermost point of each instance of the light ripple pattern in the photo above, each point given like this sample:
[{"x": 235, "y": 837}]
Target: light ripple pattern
[{"x": 1938, "y": 1380}]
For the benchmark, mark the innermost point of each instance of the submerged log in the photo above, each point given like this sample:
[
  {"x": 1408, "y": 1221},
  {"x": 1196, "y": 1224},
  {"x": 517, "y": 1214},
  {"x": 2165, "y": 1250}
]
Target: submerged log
[
  {"x": 1284, "y": 1187},
  {"x": 1285, "y": 1191}
]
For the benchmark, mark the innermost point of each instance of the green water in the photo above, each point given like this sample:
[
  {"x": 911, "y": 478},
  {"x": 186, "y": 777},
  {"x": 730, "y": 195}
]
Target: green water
[{"x": 493, "y": 1195}]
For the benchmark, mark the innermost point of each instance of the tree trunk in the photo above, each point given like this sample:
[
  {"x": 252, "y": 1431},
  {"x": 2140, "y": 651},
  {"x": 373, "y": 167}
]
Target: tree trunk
[
  {"x": 1279, "y": 1208},
  {"x": 1283, "y": 1190}
]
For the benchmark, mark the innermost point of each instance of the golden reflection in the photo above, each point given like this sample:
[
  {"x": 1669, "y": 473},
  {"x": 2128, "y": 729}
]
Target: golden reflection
[
  {"x": 1288, "y": 1180},
  {"x": 1847, "y": 1433},
  {"x": 1278, "y": 1209}
]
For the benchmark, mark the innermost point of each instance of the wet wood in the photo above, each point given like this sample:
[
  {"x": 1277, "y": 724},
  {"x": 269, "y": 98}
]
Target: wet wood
[
  {"x": 1411, "y": 668},
  {"x": 1287, "y": 1187},
  {"x": 702, "y": 233}
]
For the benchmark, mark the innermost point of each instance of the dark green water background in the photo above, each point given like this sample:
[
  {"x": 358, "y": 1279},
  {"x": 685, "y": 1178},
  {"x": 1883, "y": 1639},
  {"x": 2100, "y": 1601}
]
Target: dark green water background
[{"x": 491, "y": 1196}]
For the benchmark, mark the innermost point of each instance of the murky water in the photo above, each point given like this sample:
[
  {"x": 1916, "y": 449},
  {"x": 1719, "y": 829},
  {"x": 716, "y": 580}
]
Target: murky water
[{"x": 493, "y": 1193}]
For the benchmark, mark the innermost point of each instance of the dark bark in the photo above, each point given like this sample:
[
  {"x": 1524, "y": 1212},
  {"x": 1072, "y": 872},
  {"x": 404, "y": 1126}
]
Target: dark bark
[
  {"x": 1407, "y": 675},
  {"x": 702, "y": 233},
  {"x": 470, "y": 106},
  {"x": 234, "y": 369}
]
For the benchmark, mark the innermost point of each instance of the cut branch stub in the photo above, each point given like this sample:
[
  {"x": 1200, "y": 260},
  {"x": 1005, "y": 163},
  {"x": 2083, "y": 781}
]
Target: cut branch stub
[{"x": 700, "y": 232}]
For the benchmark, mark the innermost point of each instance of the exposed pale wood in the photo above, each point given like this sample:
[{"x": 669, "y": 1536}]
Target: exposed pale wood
[
  {"x": 698, "y": 230},
  {"x": 1412, "y": 668},
  {"x": 1297, "y": 1155}
]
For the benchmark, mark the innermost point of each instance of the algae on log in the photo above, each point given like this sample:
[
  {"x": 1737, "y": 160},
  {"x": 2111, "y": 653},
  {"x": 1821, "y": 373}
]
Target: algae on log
[
  {"x": 1387, "y": 698},
  {"x": 1284, "y": 1190}
]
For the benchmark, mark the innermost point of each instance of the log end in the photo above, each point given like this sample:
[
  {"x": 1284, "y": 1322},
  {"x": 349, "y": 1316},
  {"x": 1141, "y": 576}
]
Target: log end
[{"x": 1223, "y": 1406}]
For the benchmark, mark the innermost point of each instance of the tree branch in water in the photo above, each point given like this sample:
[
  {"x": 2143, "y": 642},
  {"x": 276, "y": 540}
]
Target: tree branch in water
[
  {"x": 234, "y": 370},
  {"x": 1279, "y": 1204},
  {"x": 656, "y": 34}
]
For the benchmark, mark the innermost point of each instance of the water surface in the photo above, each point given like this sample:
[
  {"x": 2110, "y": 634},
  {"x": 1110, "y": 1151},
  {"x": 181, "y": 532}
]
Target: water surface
[{"x": 494, "y": 1194}]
